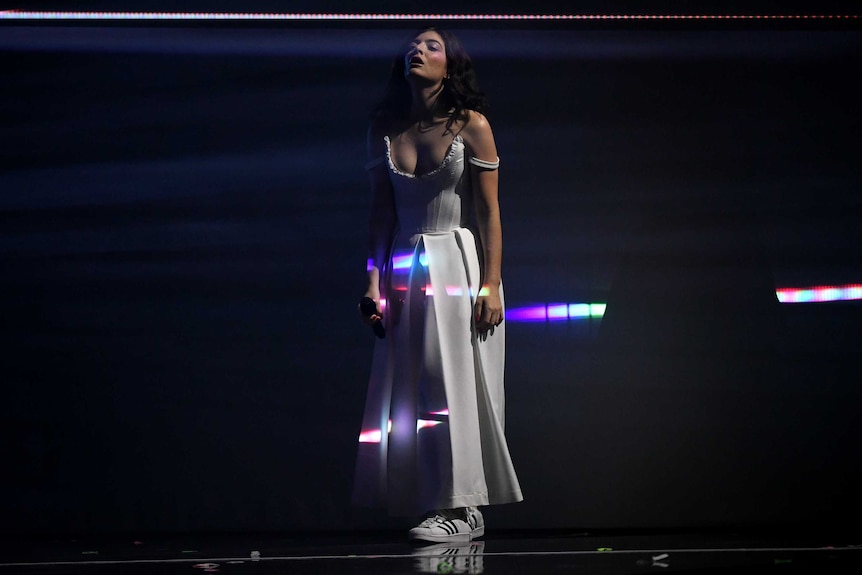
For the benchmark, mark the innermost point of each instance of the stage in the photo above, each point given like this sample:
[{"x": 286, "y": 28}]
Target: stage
[{"x": 539, "y": 551}]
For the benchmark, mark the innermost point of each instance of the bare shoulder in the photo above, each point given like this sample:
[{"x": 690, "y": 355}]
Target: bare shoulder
[
  {"x": 479, "y": 137},
  {"x": 476, "y": 126}
]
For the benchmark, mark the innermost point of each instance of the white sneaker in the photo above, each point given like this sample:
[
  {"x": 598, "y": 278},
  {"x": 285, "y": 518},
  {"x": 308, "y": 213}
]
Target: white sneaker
[
  {"x": 476, "y": 522},
  {"x": 442, "y": 530}
]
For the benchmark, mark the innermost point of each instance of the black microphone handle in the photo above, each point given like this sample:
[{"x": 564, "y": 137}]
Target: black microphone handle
[{"x": 369, "y": 308}]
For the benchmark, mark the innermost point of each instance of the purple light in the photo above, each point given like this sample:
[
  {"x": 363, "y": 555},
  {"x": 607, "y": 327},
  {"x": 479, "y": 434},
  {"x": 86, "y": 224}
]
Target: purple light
[
  {"x": 533, "y": 313},
  {"x": 556, "y": 312}
]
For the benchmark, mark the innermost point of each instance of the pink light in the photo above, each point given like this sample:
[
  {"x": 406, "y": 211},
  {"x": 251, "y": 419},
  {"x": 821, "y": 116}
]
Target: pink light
[
  {"x": 376, "y": 436},
  {"x": 424, "y": 423},
  {"x": 372, "y": 436},
  {"x": 816, "y": 294},
  {"x": 441, "y": 412},
  {"x": 450, "y": 290}
]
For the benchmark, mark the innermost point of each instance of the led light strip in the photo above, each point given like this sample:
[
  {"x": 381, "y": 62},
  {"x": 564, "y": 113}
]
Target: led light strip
[
  {"x": 376, "y": 435},
  {"x": 568, "y": 311},
  {"x": 238, "y": 16},
  {"x": 556, "y": 312},
  {"x": 815, "y": 294}
]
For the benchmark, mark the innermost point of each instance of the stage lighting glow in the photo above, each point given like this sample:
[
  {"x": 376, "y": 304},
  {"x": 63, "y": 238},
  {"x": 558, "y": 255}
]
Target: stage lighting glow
[
  {"x": 579, "y": 310},
  {"x": 240, "y": 16},
  {"x": 576, "y": 311},
  {"x": 531, "y": 313},
  {"x": 405, "y": 261},
  {"x": 817, "y": 294},
  {"x": 597, "y": 309},
  {"x": 376, "y": 436},
  {"x": 425, "y": 423},
  {"x": 371, "y": 436},
  {"x": 450, "y": 290},
  {"x": 556, "y": 312}
]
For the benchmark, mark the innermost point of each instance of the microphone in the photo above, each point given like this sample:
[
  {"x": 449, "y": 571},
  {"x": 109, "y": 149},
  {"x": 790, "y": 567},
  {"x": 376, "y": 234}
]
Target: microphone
[{"x": 368, "y": 308}]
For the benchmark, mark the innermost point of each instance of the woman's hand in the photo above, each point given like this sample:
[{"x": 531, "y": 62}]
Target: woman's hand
[
  {"x": 488, "y": 311},
  {"x": 370, "y": 312},
  {"x": 371, "y": 319}
]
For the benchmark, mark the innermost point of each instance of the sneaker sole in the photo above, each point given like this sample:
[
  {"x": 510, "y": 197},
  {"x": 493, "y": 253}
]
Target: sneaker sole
[
  {"x": 456, "y": 538},
  {"x": 478, "y": 532}
]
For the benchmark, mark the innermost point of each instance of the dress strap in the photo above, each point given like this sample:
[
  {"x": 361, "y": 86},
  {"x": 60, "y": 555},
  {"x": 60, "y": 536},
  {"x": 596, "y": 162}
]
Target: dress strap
[
  {"x": 374, "y": 163},
  {"x": 484, "y": 163}
]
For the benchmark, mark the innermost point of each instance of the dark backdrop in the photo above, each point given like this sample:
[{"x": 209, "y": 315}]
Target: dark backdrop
[{"x": 182, "y": 243}]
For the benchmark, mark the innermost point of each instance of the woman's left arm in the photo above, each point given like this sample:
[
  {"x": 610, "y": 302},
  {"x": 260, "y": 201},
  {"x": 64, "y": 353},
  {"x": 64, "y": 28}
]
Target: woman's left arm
[{"x": 479, "y": 138}]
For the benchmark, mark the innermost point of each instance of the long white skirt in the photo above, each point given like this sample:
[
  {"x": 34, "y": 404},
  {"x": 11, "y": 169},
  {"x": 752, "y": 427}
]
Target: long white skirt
[{"x": 432, "y": 435}]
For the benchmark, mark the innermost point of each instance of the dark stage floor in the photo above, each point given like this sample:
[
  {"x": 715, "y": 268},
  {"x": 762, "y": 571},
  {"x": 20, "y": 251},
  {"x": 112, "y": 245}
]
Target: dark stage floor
[{"x": 389, "y": 553}]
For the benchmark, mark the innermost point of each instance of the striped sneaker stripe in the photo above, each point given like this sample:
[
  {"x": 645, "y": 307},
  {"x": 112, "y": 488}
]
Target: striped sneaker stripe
[{"x": 450, "y": 527}]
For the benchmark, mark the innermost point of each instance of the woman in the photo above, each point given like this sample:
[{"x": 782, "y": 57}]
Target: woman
[{"x": 432, "y": 435}]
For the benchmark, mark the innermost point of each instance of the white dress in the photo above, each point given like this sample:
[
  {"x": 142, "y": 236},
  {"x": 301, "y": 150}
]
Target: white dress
[{"x": 432, "y": 435}]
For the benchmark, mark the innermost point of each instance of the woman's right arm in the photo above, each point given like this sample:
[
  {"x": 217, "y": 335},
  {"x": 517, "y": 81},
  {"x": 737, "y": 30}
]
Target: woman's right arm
[{"x": 382, "y": 220}]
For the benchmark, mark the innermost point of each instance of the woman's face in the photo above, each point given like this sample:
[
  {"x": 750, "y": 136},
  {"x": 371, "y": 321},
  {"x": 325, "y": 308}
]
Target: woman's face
[{"x": 426, "y": 57}]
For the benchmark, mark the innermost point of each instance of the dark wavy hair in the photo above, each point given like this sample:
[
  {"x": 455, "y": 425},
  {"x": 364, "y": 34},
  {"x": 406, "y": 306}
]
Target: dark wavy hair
[{"x": 460, "y": 90}]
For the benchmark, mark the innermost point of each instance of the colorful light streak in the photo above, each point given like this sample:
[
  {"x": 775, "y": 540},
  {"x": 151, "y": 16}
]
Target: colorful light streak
[
  {"x": 376, "y": 435},
  {"x": 817, "y": 294},
  {"x": 574, "y": 311},
  {"x": 371, "y": 436},
  {"x": 405, "y": 262},
  {"x": 240, "y": 16},
  {"x": 400, "y": 262},
  {"x": 556, "y": 312}
]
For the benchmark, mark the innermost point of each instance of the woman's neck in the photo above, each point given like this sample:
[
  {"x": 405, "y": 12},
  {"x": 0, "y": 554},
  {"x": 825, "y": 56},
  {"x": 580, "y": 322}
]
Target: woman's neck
[{"x": 424, "y": 102}]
